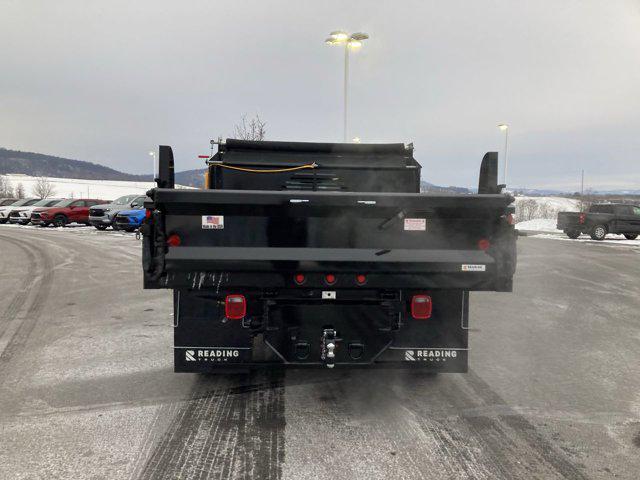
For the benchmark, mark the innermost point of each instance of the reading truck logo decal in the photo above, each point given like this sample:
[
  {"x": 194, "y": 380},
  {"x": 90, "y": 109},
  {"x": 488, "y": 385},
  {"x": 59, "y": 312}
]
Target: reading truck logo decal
[
  {"x": 473, "y": 268},
  {"x": 210, "y": 355},
  {"x": 429, "y": 355}
]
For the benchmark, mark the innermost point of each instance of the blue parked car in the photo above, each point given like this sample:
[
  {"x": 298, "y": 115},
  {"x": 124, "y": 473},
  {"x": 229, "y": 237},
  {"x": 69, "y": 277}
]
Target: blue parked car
[{"x": 130, "y": 220}]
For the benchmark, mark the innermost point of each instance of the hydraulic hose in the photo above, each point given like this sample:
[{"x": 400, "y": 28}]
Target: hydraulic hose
[{"x": 266, "y": 170}]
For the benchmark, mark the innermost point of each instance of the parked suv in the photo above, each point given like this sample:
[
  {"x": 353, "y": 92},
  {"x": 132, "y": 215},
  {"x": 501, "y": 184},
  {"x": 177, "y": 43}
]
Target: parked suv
[
  {"x": 7, "y": 201},
  {"x": 24, "y": 202},
  {"x": 101, "y": 216},
  {"x": 600, "y": 219},
  {"x": 129, "y": 220},
  {"x": 22, "y": 215},
  {"x": 68, "y": 211}
]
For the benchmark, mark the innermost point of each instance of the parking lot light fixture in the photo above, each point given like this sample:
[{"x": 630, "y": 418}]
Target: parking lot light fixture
[
  {"x": 351, "y": 41},
  {"x": 153, "y": 154},
  {"x": 339, "y": 36}
]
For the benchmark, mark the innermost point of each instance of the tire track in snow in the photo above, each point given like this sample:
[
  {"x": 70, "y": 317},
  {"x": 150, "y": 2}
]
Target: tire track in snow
[
  {"x": 23, "y": 290},
  {"x": 37, "y": 287},
  {"x": 227, "y": 432}
]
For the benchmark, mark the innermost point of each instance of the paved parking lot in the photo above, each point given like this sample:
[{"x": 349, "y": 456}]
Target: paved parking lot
[{"x": 88, "y": 389}]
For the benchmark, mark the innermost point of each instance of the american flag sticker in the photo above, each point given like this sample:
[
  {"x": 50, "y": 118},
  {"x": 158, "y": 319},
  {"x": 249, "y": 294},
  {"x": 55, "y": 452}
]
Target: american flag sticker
[{"x": 213, "y": 222}]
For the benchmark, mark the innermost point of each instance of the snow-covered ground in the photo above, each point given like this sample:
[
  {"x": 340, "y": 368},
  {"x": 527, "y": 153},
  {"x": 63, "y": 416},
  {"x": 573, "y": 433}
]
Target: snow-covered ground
[
  {"x": 557, "y": 204},
  {"x": 539, "y": 214},
  {"x": 82, "y": 188},
  {"x": 539, "y": 225}
]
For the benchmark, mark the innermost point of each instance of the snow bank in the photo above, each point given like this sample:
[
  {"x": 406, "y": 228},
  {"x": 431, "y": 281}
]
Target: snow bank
[
  {"x": 559, "y": 204},
  {"x": 539, "y": 225},
  {"x": 82, "y": 188},
  {"x": 531, "y": 208}
]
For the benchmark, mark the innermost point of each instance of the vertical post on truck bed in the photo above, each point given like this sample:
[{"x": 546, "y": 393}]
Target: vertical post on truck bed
[
  {"x": 488, "y": 182},
  {"x": 166, "y": 177}
]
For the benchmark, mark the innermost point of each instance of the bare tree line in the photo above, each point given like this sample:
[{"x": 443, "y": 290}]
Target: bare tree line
[
  {"x": 42, "y": 189},
  {"x": 530, "y": 209}
]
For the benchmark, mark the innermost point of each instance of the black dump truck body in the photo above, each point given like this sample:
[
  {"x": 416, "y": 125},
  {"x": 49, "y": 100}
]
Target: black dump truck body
[
  {"x": 313, "y": 255},
  {"x": 601, "y": 219}
]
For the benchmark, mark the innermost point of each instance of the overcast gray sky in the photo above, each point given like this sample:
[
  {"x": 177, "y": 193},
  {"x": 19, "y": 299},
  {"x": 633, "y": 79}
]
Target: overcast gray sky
[{"x": 108, "y": 81}]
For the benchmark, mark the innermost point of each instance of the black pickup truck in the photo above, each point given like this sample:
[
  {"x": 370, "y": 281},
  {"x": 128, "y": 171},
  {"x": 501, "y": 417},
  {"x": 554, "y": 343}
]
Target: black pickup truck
[
  {"x": 600, "y": 219},
  {"x": 323, "y": 255}
]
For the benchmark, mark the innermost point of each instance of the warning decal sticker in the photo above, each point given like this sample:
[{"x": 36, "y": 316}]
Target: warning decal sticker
[{"x": 415, "y": 224}]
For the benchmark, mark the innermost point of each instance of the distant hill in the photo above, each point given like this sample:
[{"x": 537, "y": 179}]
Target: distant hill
[
  {"x": 191, "y": 178},
  {"x": 41, "y": 165},
  {"x": 431, "y": 188}
]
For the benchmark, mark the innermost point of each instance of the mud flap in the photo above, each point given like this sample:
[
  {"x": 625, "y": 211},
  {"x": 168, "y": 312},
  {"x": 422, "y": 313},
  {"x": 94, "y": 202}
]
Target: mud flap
[{"x": 204, "y": 339}]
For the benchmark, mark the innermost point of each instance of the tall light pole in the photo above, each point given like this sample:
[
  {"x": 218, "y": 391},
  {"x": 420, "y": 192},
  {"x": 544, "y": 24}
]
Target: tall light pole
[
  {"x": 505, "y": 128},
  {"x": 153, "y": 154},
  {"x": 582, "y": 192},
  {"x": 351, "y": 41}
]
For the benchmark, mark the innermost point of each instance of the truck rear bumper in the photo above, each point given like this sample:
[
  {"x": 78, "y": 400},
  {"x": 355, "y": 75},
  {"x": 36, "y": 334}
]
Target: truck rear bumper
[
  {"x": 372, "y": 332},
  {"x": 445, "y": 360}
]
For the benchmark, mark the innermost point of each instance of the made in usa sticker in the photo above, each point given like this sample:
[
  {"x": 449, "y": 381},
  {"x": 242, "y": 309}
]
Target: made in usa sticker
[{"x": 213, "y": 222}]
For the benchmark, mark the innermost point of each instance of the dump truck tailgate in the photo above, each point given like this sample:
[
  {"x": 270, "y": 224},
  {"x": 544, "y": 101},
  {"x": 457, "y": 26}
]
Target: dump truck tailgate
[{"x": 461, "y": 241}]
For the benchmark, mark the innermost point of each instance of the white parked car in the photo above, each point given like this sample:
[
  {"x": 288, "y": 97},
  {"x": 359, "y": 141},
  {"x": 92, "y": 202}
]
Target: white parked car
[
  {"x": 23, "y": 202},
  {"x": 22, "y": 214}
]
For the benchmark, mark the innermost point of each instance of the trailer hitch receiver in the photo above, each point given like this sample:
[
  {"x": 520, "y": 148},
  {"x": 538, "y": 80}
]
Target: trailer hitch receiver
[{"x": 329, "y": 341}]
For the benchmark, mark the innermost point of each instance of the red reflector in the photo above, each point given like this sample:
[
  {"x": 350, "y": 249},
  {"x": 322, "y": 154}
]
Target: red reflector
[
  {"x": 235, "y": 307},
  {"x": 148, "y": 213},
  {"x": 361, "y": 279},
  {"x": 484, "y": 244},
  {"x": 330, "y": 279},
  {"x": 203, "y": 156},
  {"x": 299, "y": 279},
  {"x": 174, "y": 240},
  {"x": 421, "y": 306}
]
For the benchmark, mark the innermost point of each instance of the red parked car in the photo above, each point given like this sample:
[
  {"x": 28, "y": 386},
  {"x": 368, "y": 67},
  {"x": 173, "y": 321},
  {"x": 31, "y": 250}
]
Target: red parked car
[{"x": 74, "y": 210}]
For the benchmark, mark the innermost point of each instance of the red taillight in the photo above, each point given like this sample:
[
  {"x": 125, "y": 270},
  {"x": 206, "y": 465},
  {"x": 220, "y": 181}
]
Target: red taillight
[
  {"x": 204, "y": 156},
  {"x": 361, "y": 279},
  {"x": 582, "y": 218},
  {"x": 147, "y": 214},
  {"x": 235, "y": 307},
  {"x": 510, "y": 219},
  {"x": 484, "y": 244},
  {"x": 299, "y": 278},
  {"x": 330, "y": 279},
  {"x": 421, "y": 307},
  {"x": 174, "y": 240}
]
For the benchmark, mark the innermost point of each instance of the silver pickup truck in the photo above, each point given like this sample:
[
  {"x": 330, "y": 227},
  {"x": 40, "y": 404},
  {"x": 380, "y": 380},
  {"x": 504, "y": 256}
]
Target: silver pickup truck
[{"x": 102, "y": 216}]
